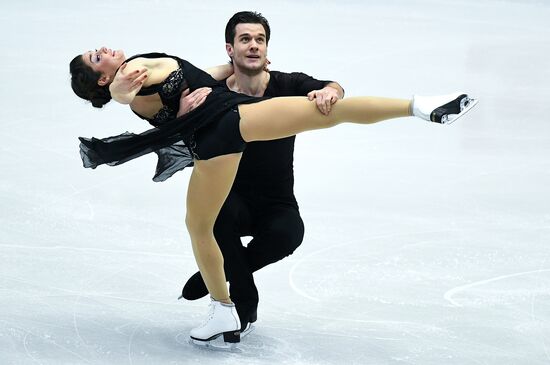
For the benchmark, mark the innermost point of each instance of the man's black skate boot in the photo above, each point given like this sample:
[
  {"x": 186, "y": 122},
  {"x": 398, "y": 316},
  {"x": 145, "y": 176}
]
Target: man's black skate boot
[
  {"x": 194, "y": 288},
  {"x": 248, "y": 314}
]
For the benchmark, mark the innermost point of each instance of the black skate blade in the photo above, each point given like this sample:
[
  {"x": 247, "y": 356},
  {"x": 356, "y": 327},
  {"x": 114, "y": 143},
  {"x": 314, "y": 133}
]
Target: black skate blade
[
  {"x": 452, "y": 107},
  {"x": 466, "y": 105},
  {"x": 213, "y": 346},
  {"x": 229, "y": 337},
  {"x": 215, "y": 343}
]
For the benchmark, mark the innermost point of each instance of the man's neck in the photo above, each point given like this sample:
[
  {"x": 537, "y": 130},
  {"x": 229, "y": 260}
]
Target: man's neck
[{"x": 253, "y": 85}]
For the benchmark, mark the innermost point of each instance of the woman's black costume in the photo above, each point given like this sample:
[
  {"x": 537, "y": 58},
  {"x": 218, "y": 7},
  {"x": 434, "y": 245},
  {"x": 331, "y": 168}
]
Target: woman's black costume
[{"x": 210, "y": 130}]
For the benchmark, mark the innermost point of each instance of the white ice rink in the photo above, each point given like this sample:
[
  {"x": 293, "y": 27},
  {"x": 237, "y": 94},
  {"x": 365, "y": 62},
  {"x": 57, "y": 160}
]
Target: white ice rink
[{"x": 425, "y": 244}]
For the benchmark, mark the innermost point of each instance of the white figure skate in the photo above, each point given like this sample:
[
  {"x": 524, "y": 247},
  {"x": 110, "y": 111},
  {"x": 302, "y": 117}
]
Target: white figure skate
[
  {"x": 443, "y": 109},
  {"x": 223, "y": 320}
]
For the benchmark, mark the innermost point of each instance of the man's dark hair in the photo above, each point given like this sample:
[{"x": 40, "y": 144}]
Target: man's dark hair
[{"x": 245, "y": 17}]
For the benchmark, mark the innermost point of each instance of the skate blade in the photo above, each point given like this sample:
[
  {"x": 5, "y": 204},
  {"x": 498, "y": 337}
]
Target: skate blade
[
  {"x": 249, "y": 328},
  {"x": 215, "y": 345},
  {"x": 466, "y": 104}
]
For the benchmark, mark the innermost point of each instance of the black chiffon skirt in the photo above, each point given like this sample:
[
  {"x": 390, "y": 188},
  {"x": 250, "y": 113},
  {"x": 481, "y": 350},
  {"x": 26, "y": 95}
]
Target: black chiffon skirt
[{"x": 173, "y": 141}]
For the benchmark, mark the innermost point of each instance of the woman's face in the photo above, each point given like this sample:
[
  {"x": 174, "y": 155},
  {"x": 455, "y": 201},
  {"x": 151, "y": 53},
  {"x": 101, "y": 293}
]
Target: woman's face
[{"x": 105, "y": 61}]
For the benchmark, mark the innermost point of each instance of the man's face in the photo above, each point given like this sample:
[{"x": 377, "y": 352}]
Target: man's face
[{"x": 249, "y": 51}]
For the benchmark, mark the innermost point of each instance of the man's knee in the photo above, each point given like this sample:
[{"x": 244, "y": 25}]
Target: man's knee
[
  {"x": 290, "y": 240},
  {"x": 284, "y": 238}
]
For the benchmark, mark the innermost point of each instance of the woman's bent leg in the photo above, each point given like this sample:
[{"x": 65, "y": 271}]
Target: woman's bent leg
[
  {"x": 210, "y": 183},
  {"x": 282, "y": 117}
]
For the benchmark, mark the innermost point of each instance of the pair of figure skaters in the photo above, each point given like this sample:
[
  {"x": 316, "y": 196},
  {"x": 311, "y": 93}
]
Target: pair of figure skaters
[{"x": 236, "y": 125}]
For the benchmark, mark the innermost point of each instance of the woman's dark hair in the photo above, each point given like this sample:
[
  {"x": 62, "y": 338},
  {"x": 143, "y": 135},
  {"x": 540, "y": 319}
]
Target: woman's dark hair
[
  {"x": 245, "y": 17},
  {"x": 84, "y": 83}
]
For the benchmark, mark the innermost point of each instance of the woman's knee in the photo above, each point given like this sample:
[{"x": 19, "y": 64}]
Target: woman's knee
[
  {"x": 329, "y": 121},
  {"x": 199, "y": 228}
]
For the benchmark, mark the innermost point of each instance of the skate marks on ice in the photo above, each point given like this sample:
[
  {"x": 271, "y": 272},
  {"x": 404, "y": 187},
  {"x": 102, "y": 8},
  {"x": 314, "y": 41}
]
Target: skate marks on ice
[
  {"x": 258, "y": 347},
  {"x": 535, "y": 322},
  {"x": 395, "y": 288},
  {"x": 452, "y": 292},
  {"x": 119, "y": 296},
  {"x": 390, "y": 256},
  {"x": 311, "y": 256}
]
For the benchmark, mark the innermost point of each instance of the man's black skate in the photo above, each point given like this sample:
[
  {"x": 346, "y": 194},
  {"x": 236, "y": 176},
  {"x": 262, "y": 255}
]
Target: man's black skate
[{"x": 247, "y": 315}]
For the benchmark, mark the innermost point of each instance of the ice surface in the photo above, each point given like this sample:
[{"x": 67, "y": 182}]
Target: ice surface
[{"x": 425, "y": 244}]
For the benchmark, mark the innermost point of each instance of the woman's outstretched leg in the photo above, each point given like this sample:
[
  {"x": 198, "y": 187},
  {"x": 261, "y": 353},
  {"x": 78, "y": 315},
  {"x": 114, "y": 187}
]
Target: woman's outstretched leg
[{"x": 283, "y": 117}]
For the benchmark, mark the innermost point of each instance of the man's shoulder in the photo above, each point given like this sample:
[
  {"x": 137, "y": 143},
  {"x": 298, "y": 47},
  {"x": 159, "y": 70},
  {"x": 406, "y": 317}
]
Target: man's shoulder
[
  {"x": 287, "y": 75},
  {"x": 279, "y": 73},
  {"x": 292, "y": 84},
  {"x": 288, "y": 78}
]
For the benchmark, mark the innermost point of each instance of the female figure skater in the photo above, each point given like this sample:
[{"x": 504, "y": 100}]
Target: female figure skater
[{"x": 215, "y": 134}]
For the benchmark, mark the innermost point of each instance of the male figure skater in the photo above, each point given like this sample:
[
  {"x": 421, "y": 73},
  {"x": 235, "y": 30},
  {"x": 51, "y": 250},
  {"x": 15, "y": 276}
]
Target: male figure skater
[{"x": 261, "y": 203}]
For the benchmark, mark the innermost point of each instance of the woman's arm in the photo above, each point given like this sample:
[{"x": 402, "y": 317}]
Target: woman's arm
[
  {"x": 127, "y": 82},
  {"x": 220, "y": 72}
]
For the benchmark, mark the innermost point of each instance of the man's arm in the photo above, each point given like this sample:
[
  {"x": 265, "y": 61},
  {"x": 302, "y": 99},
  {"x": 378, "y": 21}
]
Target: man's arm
[
  {"x": 339, "y": 89},
  {"x": 323, "y": 92},
  {"x": 220, "y": 72},
  {"x": 189, "y": 102},
  {"x": 128, "y": 82},
  {"x": 325, "y": 97}
]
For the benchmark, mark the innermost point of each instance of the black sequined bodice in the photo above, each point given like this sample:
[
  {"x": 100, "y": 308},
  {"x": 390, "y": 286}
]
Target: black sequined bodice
[{"x": 169, "y": 91}]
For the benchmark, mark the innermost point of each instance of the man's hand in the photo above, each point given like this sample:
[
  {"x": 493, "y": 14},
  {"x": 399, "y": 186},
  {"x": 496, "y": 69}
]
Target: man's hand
[
  {"x": 127, "y": 82},
  {"x": 324, "y": 98},
  {"x": 189, "y": 102}
]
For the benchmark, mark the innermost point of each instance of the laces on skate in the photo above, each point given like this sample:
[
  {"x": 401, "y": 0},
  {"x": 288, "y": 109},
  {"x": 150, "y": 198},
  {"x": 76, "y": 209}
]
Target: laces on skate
[{"x": 221, "y": 322}]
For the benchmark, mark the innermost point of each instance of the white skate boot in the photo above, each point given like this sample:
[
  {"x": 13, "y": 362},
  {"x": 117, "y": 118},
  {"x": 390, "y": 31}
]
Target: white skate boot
[
  {"x": 222, "y": 320},
  {"x": 443, "y": 109}
]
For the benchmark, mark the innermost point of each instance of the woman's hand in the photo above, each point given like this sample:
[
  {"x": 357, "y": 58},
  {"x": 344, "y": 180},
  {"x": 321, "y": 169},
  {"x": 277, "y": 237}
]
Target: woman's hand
[
  {"x": 126, "y": 85},
  {"x": 266, "y": 66},
  {"x": 189, "y": 102}
]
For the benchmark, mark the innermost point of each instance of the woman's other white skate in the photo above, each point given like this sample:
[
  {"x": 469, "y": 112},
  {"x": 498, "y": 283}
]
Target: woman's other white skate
[
  {"x": 444, "y": 109},
  {"x": 222, "y": 322}
]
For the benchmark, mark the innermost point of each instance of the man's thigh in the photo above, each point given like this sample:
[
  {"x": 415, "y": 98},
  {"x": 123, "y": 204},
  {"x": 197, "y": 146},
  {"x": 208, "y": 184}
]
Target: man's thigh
[{"x": 235, "y": 218}]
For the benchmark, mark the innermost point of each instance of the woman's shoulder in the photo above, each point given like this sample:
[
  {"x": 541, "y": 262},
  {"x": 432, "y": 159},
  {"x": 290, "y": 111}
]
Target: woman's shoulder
[
  {"x": 149, "y": 62},
  {"x": 158, "y": 68}
]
